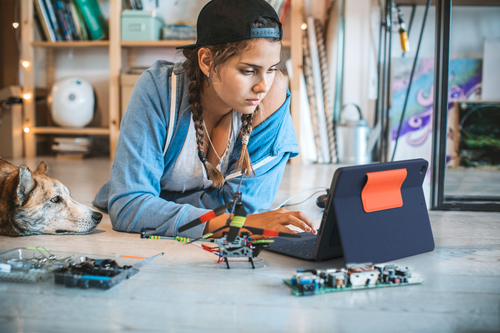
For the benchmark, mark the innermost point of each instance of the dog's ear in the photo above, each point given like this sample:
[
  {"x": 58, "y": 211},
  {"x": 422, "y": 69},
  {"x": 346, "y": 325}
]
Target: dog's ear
[
  {"x": 42, "y": 168},
  {"x": 26, "y": 184}
]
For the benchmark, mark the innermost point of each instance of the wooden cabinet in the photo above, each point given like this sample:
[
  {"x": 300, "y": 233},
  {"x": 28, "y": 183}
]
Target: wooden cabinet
[{"x": 115, "y": 48}]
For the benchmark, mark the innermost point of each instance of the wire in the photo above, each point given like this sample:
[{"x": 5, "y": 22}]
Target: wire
[
  {"x": 411, "y": 79},
  {"x": 309, "y": 189},
  {"x": 298, "y": 203}
]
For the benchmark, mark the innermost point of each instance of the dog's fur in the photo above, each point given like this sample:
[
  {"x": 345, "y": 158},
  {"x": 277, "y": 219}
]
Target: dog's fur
[{"x": 32, "y": 203}]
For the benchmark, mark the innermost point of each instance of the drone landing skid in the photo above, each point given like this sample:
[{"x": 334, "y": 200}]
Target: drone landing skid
[{"x": 249, "y": 259}]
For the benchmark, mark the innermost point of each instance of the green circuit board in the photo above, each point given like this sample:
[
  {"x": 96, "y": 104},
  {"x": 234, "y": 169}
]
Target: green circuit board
[
  {"x": 312, "y": 282},
  {"x": 326, "y": 289}
]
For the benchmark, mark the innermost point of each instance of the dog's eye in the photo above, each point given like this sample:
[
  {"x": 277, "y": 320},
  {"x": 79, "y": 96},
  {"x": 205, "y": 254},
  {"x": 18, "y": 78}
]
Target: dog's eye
[{"x": 56, "y": 199}]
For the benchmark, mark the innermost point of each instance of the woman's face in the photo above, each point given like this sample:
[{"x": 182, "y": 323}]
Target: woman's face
[{"x": 244, "y": 80}]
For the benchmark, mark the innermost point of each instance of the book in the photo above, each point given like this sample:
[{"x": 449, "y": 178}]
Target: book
[
  {"x": 53, "y": 20},
  {"x": 79, "y": 18},
  {"x": 74, "y": 141},
  {"x": 75, "y": 34},
  {"x": 74, "y": 16},
  {"x": 62, "y": 20},
  {"x": 92, "y": 16},
  {"x": 138, "y": 4},
  {"x": 44, "y": 20},
  {"x": 100, "y": 16},
  {"x": 71, "y": 146},
  {"x": 39, "y": 26}
]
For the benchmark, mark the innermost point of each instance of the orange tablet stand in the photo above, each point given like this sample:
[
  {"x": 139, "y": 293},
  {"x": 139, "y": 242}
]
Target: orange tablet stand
[{"x": 383, "y": 190}]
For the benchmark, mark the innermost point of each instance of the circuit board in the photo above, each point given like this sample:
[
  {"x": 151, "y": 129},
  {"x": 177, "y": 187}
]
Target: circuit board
[
  {"x": 38, "y": 264},
  {"x": 354, "y": 277}
]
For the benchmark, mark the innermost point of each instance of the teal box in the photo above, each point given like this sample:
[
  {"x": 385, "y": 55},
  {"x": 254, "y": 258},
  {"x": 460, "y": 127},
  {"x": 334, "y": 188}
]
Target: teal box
[{"x": 141, "y": 25}]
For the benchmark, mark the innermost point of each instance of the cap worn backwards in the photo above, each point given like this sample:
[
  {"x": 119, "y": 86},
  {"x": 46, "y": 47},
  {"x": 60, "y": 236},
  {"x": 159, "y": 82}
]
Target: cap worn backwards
[{"x": 224, "y": 21}]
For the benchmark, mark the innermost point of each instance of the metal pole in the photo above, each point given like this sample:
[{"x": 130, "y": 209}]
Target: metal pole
[
  {"x": 384, "y": 74},
  {"x": 387, "y": 129},
  {"x": 440, "y": 113},
  {"x": 376, "y": 152}
]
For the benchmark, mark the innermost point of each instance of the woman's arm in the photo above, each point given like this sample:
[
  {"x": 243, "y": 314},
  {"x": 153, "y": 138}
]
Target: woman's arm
[
  {"x": 271, "y": 145},
  {"x": 133, "y": 192}
]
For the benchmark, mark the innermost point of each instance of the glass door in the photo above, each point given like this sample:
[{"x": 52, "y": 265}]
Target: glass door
[{"x": 466, "y": 121}]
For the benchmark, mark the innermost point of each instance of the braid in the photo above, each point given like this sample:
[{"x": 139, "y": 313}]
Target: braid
[
  {"x": 220, "y": 54},
  {"x": 195, "y": 88},
  {"x": 244, "y": 162}
]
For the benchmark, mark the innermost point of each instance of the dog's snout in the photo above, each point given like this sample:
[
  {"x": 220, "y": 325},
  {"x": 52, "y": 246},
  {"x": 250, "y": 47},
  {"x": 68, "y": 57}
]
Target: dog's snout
[{"x": 96, "y": 217}]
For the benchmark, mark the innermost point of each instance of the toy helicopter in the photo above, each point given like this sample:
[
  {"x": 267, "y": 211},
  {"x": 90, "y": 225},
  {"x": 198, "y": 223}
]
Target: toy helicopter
[{"x": 231, "y": 244}]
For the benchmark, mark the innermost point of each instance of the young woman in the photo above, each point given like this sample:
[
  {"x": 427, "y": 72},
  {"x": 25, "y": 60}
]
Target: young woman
[{"x": 232, "y": 116}]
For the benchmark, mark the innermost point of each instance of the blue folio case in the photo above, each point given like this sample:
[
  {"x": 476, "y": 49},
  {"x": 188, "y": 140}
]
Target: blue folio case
[
  {"x": 375, "y": 213},
  {"x": 397, "y": 227}
]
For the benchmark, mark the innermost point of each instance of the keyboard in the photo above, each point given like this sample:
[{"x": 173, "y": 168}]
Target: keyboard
[{"x": 302, "y": 249}]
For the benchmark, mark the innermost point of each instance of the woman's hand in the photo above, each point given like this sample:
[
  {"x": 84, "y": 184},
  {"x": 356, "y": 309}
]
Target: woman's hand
[
  {"x": 274, "y": 220},
  {"x": 279, "y": 219}
]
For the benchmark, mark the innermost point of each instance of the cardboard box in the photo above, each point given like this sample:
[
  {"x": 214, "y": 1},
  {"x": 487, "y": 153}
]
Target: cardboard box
[
  {"x": 127, "y": 83},
  {"x": 141, "y": 25}
]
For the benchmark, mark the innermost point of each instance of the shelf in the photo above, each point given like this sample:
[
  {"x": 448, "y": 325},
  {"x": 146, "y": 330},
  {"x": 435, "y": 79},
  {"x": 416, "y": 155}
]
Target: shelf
[
  {"x": 69, "y": 130},
  {"x": 116, "y": 49},
  {"x": 167, "y": 43},
  {"x": 491, "y": 3},
  {"x": 103, "y": 43},
  {"x": 156, "y": 43}
]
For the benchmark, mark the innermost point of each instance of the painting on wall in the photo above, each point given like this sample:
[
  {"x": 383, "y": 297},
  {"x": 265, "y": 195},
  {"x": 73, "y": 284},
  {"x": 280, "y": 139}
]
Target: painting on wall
[
  {"x": 416, "y": 131},
  {"x": 415, "y": 139}
]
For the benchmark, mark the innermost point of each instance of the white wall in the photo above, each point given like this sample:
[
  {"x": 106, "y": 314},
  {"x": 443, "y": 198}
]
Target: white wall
[{"x": 357, "y": 53}]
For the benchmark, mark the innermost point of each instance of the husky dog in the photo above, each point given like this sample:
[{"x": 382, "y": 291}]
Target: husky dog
[{"x": 32, "y": 203}]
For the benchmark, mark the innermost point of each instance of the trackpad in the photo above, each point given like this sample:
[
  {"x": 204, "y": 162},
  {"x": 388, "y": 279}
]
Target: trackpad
[{"x": 305, "y": 236}]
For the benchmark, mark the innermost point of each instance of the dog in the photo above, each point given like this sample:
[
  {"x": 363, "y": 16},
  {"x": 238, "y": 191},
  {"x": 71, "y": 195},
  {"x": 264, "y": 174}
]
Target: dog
[{"x": 32, "y": 203}]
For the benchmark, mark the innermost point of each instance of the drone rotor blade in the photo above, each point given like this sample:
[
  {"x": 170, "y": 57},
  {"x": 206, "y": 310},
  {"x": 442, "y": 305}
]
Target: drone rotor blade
[
  {"x": 269, "y": 232},
  {"x": 207, "y": 235},
  {"x": 205, "y": 217}
]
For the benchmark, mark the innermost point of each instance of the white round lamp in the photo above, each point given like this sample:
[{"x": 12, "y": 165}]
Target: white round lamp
[{"x": 72, "y": 102}]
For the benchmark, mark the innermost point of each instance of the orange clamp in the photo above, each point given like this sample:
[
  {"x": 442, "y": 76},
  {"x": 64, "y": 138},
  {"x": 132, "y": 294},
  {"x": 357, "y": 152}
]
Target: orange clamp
[{"x": 383, "y": 190}]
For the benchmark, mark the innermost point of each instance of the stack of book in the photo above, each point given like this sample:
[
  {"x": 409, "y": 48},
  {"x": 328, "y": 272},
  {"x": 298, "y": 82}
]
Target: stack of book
[
  {"x": 70, "y": 20},
  {"x": 71, "y": 147},
  {"x": 132, "y": 4}
]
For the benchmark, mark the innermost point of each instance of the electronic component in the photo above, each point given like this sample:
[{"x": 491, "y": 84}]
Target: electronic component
[
  {"x": 403, "y": 34},
  {"x": 353, "y": 277},
  {"x": 37, "y": 264},
  {"x": 231, "y": 244},
  {"x": 103, "y": 274}
]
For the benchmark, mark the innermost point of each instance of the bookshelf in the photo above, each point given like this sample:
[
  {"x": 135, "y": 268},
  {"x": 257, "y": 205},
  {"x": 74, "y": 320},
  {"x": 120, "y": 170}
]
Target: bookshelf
[
  {"x": 28, "y": 44},
  {"x": 115, "y": 48}
]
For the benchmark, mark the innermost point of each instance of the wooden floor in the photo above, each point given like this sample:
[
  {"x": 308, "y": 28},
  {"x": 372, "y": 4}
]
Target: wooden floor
[{"x": 185, "y": 290}]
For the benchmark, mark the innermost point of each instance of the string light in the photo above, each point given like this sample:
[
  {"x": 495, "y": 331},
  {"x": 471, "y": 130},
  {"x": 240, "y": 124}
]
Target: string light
[
  {"x": 26, "y": 130},
  {"x": 27, "y": 96},
  {"x": 25, "y": 63},
  {"x": 15, "y": 25},
  {"x": 303, "y": 26}
]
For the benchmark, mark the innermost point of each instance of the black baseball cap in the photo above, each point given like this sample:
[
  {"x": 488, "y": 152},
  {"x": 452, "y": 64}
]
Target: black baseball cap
[{"x": 224, "y": 21}]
